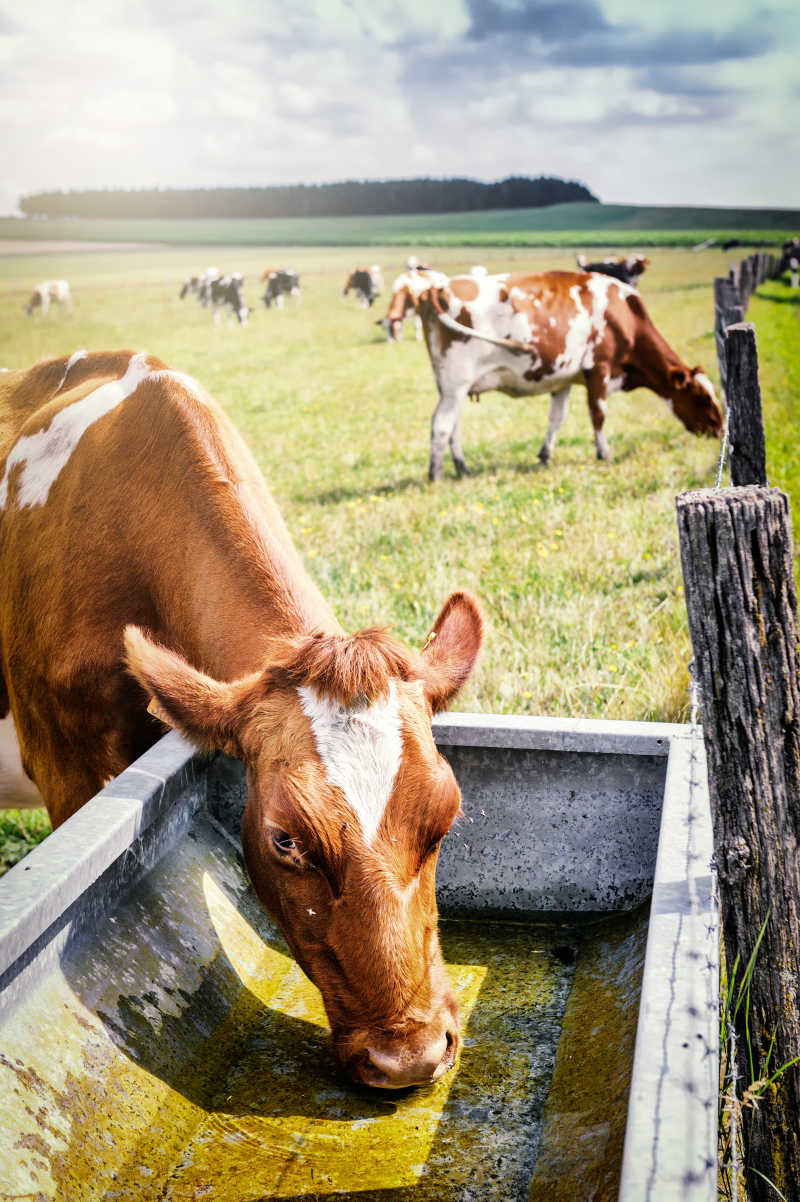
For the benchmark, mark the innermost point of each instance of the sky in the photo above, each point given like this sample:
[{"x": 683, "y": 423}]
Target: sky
[{"x": 643, "y": 101}]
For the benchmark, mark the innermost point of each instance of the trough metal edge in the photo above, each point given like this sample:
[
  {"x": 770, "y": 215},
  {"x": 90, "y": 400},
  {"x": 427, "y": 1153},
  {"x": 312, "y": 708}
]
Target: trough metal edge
[{"x": 35, "y": 892}]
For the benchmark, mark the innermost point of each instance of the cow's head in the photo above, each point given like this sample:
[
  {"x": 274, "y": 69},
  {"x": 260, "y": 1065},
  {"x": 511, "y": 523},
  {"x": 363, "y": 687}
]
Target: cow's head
[
  {"x": 694, "y": 402},
  {"x": 34, "y": 303},
  {"x": 348, "y": 801},
  {"x": 402, "y": 304}
]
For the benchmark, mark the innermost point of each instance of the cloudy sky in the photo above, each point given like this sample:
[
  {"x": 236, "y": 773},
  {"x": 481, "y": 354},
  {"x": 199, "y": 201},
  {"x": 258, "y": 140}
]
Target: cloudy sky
[{"x": 648, "y": 101}]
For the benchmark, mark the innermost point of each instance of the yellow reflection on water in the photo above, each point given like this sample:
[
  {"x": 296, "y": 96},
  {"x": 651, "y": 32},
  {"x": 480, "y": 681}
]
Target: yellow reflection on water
[{"x": 282, "y": 1127}]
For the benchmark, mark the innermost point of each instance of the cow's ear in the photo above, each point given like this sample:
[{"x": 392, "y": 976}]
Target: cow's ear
[
  {"x": 451, "y": 649},
  {"x": 207, "y": 711},
  {"x": 679, "y": 377}
]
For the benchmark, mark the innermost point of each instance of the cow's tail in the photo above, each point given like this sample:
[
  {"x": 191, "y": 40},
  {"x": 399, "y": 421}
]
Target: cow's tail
[{"x": 509, "y": 344}]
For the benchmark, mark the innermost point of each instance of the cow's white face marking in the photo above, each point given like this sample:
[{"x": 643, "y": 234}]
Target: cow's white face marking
[
  {"x": 361, "y": 750},
  {"x": 44, "y": 455}
]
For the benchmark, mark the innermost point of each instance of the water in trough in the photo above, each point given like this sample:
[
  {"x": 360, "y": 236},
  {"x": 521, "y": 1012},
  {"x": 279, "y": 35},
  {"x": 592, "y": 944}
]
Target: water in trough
[{"x": 181, "y": 1054}]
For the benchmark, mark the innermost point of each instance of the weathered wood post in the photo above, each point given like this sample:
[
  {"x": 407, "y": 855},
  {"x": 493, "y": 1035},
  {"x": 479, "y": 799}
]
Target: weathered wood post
[
  {"x": 736, "y": 553},
  {"x": 744, "y": 283},
  {"x": 748, "y": 454},
  {"x": 727, "y": 311}
]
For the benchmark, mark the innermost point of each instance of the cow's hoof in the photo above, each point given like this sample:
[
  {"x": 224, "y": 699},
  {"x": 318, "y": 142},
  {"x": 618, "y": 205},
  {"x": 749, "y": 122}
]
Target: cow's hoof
[
  {"x": 434, "y": 475},
  {"x": 461, "y": 468},
  {"x": 544, "y": 456}
]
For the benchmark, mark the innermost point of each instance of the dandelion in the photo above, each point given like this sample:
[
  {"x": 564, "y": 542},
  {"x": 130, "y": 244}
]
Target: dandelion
[{"x": 527, "y": 696}]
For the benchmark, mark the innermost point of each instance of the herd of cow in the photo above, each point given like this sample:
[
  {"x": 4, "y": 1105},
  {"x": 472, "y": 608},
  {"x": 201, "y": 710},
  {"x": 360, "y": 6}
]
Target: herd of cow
[
  {"x": 225, "y": 293},
  {"x": 146, "y": 570}
]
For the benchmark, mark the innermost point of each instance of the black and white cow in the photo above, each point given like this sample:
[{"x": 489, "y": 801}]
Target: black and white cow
[
  {"x": 200, "y": 285},
  {"x": 227, "y": 292},
  {"x": 280, "y": 283},
  {"x": 625, "y": 268},
  {"x": 790, "y": 260},
  {"x": 366, "y": 282}
]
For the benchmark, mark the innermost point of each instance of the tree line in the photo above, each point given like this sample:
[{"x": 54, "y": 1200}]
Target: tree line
[{"x": 351, "y": 198}]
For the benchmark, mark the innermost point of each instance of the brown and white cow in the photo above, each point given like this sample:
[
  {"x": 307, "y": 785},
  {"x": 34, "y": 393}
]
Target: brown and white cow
[
  {"x": 527, "y": 334},
  {"x": 402, "y": 305},
  {"x": 129, "y": 504},
  {"x": 49, "y": 291}
]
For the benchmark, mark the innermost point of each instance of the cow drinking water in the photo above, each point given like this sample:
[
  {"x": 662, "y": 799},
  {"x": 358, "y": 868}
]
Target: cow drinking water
[
  {"x": 142, "y": 557},
  {"x": 528, "y": 334}
]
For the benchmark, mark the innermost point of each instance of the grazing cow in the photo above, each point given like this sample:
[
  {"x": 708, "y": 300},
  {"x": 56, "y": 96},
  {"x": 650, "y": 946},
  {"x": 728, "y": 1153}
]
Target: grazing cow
[
  {"x": 402, "y": 305},
  {"x": 130, "y": 504},
  {"x": 200, "y": 286},
  {"x": 226, "y": 292},
  {"x": 527, "y": 334},
  {"x": 790, "y": 260},
  {"x": 626, "y": 268},
  {"x": 280, "y": 283},
  {"x": 366, "y": 282},
  {"x": 49, "y": 291}
]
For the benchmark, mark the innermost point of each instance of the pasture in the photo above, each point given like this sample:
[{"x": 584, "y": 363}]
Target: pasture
[
  {"x": 561, "y": 225},
  {"x": 576, "y": 564}
]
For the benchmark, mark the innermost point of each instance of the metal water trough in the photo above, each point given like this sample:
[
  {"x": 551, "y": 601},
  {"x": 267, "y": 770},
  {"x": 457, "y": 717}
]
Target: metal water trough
[{"x": 136, "y": 967}]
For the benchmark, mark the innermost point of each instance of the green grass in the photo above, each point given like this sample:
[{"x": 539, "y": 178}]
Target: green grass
[
  {"x": 564, "y": 225},
  {"x": 577, "y": 564},
  {"x": 20, "y": 831}
]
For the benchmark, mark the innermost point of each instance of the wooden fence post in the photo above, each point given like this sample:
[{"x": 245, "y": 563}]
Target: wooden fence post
[
  {"x": 736, "y": 553},
  {"x": 743, "y": 395},
  {"x": 744, "y": 284},
  {"x": 727, "y": 311}
]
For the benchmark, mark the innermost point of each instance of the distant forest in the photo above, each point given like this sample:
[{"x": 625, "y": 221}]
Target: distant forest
[{"x": 352, "y": 198}]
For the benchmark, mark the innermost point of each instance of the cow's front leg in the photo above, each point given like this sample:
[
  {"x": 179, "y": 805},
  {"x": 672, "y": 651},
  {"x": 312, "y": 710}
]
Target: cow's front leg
[
  {"x": 444, "y": 423},
  {"x": 555, "y": 420},
  {"x": 596, "y": 394}
]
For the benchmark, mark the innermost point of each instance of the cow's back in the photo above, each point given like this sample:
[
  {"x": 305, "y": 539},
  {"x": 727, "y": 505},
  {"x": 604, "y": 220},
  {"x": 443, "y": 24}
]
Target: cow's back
[{"x": 127, "y": 497}]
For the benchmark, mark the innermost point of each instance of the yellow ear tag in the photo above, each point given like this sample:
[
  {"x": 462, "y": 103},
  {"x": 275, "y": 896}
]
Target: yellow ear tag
[
  {"x": 155, "y": 709},
  {"x": 429, "y": 640}
]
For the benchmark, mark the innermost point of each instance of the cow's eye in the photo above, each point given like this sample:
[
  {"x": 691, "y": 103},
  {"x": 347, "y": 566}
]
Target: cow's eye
[{"x": 284, "y": 844}]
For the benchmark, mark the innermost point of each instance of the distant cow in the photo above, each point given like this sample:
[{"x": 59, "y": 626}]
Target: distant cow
[
  {"x": 366, "y": 282},
  {"x": 790, "y": 260},
  {"x": 626, "y": 268},
  {"x": 401, "y": 305},
  {"x": 525, "y": 334},
  {"x": 46, "y": 292},
  {"x": 227, "y": 293},
  {"x": 280, "y": 283},
  {"x": 199, "y": 285}
]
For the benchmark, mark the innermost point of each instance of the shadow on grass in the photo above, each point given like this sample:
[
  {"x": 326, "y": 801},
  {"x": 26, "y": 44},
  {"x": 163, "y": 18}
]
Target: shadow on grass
[{"x": 779, "y": 300}]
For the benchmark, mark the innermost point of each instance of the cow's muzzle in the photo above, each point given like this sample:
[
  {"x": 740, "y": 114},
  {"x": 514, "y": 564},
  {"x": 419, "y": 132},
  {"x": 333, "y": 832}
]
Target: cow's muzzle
[{"x": 398, "y": 1061}]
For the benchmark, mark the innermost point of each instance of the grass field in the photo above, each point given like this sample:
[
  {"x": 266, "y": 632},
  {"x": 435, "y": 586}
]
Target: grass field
[
  {"x": 577, "y": 564},
  {"x": 565, "y": 225}
]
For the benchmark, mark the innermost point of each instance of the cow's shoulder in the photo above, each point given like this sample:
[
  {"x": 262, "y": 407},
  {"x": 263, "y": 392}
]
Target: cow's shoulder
[
  {"x": 49, "y": 385},
  {"x": 47, "y": 412}
]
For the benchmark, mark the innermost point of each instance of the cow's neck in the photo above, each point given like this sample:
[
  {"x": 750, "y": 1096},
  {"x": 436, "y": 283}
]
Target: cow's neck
[
  {"x": 653, "y": 360},
  {"x": 232, "y": 604}
]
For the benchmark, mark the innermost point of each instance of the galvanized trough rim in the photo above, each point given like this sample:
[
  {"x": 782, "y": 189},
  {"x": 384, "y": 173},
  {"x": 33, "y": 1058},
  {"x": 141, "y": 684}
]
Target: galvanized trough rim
[{"x": 670, "y": 1144}]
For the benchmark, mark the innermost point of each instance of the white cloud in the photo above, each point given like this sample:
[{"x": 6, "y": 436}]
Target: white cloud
[{"x": 640, "y": 102}]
